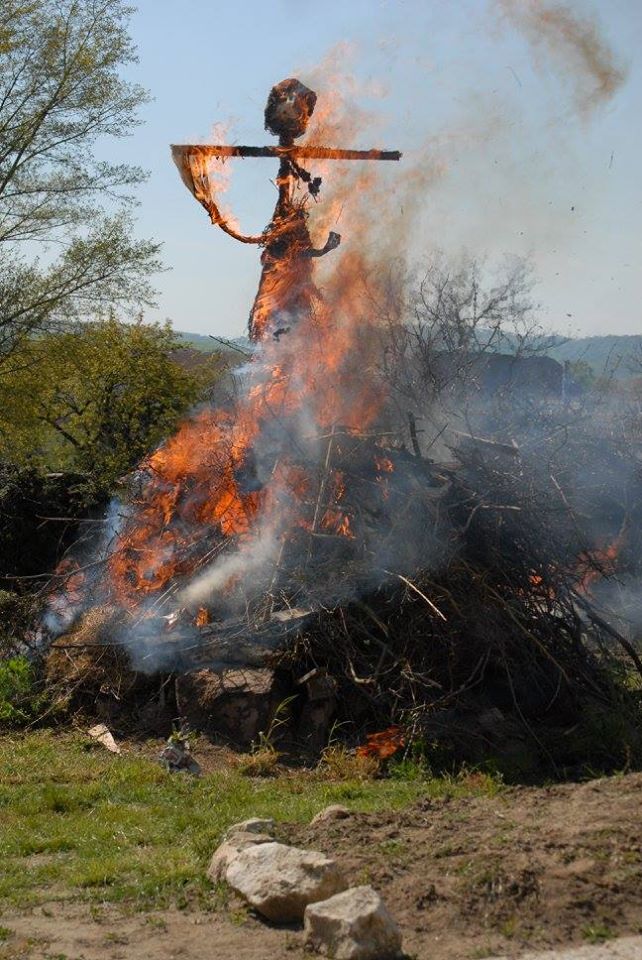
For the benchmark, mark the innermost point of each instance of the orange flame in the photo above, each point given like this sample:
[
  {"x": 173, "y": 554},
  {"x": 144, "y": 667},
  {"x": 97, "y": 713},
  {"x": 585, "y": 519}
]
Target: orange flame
[
  {"x": 192, "y": 489},
  {"x": 383, "y": 744},
  {"x": 202, "y": 617},
  {"x": 599, "y": 563},
  {"x": 219, "y": 479}
]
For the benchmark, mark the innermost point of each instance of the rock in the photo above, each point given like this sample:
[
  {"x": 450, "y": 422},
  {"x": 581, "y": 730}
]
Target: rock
[
  {"x": 334, "y": 812},
  {"x": 255, "y": 825},
  {"x": 236, "y": 703},
  {"x": 280, "y": 881},
  {"x": 229, "y": 850},
  {"x": 176, "y": 756},
  {"x": 354, "y": 925},
  {"x": 103, "y": 735}
]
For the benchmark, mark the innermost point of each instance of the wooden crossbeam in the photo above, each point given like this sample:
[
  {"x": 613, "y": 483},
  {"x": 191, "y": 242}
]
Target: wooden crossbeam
[{"x": 297, "y": 153}]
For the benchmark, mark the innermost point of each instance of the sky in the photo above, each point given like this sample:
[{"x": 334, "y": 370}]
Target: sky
[{"x": 517, "y": 164}]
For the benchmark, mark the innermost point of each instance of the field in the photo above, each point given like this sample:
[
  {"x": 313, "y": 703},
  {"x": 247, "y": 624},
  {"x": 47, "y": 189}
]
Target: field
[{"x": 104, "y": 856}]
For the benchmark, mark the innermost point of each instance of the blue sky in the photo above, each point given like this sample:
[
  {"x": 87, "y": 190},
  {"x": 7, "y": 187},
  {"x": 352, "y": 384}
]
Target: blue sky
[{"x": 521, "y": 172}]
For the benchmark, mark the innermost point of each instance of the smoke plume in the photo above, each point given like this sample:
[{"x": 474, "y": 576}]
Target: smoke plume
[{"x": 573, "y": 46}]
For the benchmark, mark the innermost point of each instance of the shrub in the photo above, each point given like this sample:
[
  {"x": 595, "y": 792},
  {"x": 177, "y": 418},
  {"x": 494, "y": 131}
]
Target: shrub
[{"x": 21, "y": 696}]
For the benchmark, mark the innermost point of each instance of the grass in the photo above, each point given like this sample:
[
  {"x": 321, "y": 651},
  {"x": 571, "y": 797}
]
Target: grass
[
  {"x": 80, "y": 822},
  {"x": 598, "y": 933}
]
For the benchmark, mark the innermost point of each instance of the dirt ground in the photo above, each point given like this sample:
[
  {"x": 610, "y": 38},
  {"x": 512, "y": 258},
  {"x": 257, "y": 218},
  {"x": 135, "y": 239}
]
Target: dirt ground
[{"x": 530, "y": 868}]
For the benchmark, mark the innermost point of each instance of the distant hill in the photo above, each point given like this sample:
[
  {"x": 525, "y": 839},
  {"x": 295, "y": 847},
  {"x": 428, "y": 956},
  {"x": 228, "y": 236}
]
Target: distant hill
[
  {"x": 604, "y": 354},
  {"x": 607, "y": 354},
  {"x": 210, "y": 344}
]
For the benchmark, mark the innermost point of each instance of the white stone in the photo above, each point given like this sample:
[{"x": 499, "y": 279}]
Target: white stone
[
  {"x": 103, "y": 735},
  {"x": 229, "y": 849},
  {"x": 280, "y": 881},
  {"x": 255, "y": 825},
  {"x": 334, "y": 812},
  {"x": 354, "y": 925}
]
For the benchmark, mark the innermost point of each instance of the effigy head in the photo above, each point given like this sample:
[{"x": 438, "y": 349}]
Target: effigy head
[{"x": 289, "y": 108}]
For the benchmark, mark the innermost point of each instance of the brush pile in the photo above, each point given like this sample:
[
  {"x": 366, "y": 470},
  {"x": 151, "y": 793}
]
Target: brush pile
[{"x": 454, "y": 601}]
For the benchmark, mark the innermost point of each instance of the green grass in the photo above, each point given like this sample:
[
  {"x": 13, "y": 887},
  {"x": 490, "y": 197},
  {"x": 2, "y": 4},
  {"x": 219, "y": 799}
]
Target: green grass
[
  {"x": 80, "y": 822},
  {"x": 598, "y": 933}
]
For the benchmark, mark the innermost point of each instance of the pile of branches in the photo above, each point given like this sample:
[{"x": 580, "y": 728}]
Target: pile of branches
[
  {"x": 458, "y": 606},
  {"x": 497, "y": 637}
]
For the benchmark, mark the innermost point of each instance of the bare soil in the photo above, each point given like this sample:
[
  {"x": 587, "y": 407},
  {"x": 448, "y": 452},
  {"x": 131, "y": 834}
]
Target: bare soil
[{"x": 530, "y": 868}]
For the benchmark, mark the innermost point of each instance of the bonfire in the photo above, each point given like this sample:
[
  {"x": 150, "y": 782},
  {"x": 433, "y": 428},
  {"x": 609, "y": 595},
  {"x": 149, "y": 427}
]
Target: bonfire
[{"x": 305, "y": 528}]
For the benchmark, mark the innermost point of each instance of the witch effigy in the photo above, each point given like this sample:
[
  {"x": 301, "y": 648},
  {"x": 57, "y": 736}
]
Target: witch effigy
[{"x": 287, "y": 289}]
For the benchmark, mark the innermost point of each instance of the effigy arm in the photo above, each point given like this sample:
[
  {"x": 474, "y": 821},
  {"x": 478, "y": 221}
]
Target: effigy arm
[
  {"x": 333, "y": 241},
  {"x": 219, "y": 220},
  {"x": 193, "y": 168}
]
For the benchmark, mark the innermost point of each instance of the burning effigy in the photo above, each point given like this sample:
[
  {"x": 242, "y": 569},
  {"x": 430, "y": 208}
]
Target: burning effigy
[
  {"x": 306, "y": 530},
  {"x": 287, "y": 291},
  {"x": 243, "y": 503}
]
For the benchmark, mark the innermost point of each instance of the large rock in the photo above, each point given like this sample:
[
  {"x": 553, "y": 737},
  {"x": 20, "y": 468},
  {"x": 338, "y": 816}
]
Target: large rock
[
  {"x": 280, "y": 881},
  {"x": 236, "y": 703},
  {"x": 354, "y": 925},
  {"x": 229, "y": 850},
  {"x": 261, "y": 825}
]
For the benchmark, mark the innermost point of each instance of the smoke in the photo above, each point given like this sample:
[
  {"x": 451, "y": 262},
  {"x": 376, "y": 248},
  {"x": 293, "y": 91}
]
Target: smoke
[
  {"x": 324, "y": 372},
  {"x": 573, "y": 46},
  {"x": 251, "y": 560},
  {"x": 79, "y": 579}
]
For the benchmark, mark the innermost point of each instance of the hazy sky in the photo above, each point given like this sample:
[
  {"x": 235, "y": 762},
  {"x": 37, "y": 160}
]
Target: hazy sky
[{"x": 520, "y": 169}]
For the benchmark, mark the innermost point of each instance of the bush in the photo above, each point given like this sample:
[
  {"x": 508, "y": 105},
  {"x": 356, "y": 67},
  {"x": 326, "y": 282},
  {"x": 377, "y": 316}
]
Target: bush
[
  {"x": 95, "y": 398},
  {"x": 30, "y": 545},
  {"x": 21, "y": 696}
]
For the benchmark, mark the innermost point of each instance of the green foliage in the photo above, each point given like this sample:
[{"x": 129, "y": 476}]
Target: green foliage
[
  {"x": 61, "y": 93},
  {"x": 582, "y": 373},
  {"x": 598, "y": 933},
  {"x": 120, "y": 828},
  {"x": 21, "y": 698},
  {"x": 93, "y": 399}
]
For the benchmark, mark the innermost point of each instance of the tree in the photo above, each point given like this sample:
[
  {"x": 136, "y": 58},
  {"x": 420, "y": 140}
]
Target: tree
[
  {"x": 60, "y": 93},
  {"x": 455, "y": 315},
  {"x": 95, "y": 399}
]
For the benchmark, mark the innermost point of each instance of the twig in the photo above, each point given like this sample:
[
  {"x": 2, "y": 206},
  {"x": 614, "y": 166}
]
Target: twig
[
  {"x": 606, "y": 626},
  {"x": 423, "y": 596},
  {"x": 228, "y": 343}
]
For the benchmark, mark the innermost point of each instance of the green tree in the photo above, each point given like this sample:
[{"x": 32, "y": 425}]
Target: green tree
[
  {"x": 60, "y": 93},
  {"x": 582, "y": 373},
  {"x": 94, "y": 400}
]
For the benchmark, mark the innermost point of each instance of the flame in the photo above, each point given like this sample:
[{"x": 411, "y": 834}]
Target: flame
[
  {"x": 383, "y": 744},
  {"x": 202, "y": 617},
  {"x": 195, "y": 487},
  {"x": 238, "y": 479},
  {"x": 540, "y": 588},
  {"x": 599, "y": 563}
]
